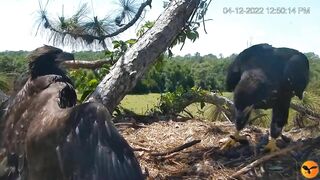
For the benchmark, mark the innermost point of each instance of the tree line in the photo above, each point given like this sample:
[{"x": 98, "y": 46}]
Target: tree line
[{"x": 169, "y": 73}]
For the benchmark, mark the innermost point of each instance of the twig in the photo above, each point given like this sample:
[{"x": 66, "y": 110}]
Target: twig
[
  {"x": 141, "y": 149},
  {"x": 299, "y": 145},
  {"x": 179, "y": 148},
  {"x": 225, "y": 116},
  {"x": 167, "y": 156},
  {"x": 134, "y": 125}
]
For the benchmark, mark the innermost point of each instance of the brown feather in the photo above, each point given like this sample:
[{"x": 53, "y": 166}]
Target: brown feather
[{"x": 47, "y": 136}]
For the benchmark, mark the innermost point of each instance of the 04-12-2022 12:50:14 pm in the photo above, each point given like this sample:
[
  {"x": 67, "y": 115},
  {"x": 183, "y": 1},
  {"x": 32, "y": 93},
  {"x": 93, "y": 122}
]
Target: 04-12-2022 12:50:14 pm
[{"x": 267, "y": 10}]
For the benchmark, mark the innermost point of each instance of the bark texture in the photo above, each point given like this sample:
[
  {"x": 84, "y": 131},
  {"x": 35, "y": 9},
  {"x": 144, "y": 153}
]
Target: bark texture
[{"x": 134, "y": 63}]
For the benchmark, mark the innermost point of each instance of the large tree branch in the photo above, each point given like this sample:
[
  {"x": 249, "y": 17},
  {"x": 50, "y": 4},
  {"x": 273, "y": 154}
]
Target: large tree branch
[
  {"x": 302, "y": 109},
  {"x": 134, "y": 63},
  {"x": 194, "y": 97},
  {"x": 77, "y": 64},
  {"x": 224, "y": 103}
]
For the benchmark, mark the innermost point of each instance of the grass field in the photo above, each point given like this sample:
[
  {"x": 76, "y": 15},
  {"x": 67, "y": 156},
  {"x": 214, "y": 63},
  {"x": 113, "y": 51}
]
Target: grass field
[{"x": 141, "y": 104}]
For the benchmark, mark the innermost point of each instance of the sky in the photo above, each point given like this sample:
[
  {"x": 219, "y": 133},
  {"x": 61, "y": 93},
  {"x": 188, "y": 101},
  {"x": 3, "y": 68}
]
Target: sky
[{"x": 230, "y": 26}]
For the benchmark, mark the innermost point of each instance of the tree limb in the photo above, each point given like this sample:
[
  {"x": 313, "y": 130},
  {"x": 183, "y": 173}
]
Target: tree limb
[
  {"x": 77, "y": 64},
  {"x": 124, "y": 75},
  {"x": 89, "y": 37},
  {"x": 305, "y": 110},
  {"x": 192, "y": 97},
  {"x": 225, "y": 104},
  {"x": 132, "y": 22}
]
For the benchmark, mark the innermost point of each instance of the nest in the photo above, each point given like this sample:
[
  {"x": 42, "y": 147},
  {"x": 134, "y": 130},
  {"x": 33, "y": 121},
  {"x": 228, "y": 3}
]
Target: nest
[{"x": 172, "y": 150}]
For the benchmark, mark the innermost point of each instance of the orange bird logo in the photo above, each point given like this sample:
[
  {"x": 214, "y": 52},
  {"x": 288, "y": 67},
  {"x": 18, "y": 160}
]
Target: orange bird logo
[{"x": 309, "y": 169}]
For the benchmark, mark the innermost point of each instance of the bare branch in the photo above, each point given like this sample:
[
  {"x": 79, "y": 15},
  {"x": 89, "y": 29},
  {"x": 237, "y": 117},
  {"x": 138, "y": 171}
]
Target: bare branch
[
  {"x": 305, "y": 110},
  {"x": 78, "y": 64},
  {"x": 141, "y": 149},
  {"x": 213, "y": 98},
  {"x": 177, "y": 149},
  {"x": 227, "y": 105},
  {"x": 133, "y": 125},
  {"x": 285, "y": 151}
]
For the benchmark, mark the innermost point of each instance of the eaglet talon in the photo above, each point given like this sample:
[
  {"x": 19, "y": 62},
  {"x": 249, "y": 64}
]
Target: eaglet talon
[
  {"x": 271, "y": 146},
  {"x": 233, "y": 140}
]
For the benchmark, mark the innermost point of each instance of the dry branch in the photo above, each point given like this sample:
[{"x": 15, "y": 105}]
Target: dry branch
[
  {"x": 305, "y": 110},
  {"x": 177, "y": 149},
  {"x": 226, "y": 104},
  {"x": 133, "y": 125},
  {"x": 285, "y": 151},
  {"x": 190, "y": 97},
  {"x": 77, "y": 64},
  {"x": 212, "y": 98},
  {"x": 141, "y": 149}
]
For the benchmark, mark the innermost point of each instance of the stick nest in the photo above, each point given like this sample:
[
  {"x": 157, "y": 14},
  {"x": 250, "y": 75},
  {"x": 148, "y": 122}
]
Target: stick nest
[{"x": 171, "y": 150}]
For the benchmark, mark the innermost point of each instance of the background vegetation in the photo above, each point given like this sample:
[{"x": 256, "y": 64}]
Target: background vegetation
[{"x": 207, "y": 72}]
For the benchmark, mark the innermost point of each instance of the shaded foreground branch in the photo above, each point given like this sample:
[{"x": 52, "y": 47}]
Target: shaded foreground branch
[{"x": 300, "y": 145}]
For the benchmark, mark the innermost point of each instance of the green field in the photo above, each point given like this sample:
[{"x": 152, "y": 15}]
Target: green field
[{"x": 142, "y": 104}]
